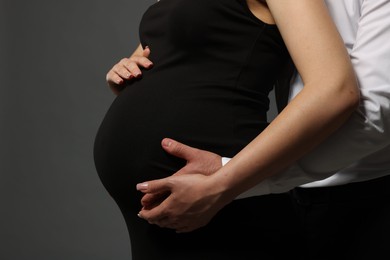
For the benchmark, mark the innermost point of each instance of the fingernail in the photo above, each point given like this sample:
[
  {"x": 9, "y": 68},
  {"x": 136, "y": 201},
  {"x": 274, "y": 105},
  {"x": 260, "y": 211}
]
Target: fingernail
[
  {"x": 166, "y": 142},
  {"x": 142, "y": 186},
  {"x": 139, "y": 215}
]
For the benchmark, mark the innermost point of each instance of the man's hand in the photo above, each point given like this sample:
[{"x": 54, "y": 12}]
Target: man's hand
[
  {"x": 198, "y": 161},
  {"x": 128, "y": 69},
  {"x": 164, "y": 203}
]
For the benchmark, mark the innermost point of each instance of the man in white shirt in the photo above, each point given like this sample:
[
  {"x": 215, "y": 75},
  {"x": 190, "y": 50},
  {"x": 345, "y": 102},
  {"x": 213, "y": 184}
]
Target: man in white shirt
[{"x": 343, "y": 186}]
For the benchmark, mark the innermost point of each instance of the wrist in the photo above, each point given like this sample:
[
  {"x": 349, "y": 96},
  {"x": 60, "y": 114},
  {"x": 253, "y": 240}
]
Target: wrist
[{"x": 222, "y": 186}]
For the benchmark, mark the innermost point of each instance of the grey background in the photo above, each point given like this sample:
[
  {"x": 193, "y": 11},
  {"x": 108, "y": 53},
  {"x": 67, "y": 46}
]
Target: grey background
[{"x": 54, "y": 56}]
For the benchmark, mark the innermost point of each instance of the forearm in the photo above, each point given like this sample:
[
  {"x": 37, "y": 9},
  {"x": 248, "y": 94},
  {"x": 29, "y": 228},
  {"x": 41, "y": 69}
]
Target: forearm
[
  {"x": 368, "y": 130},
  {"x": 301, "y": 126}
]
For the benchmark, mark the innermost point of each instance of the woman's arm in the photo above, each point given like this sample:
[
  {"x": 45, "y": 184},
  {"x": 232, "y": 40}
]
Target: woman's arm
[
  {"x": 368, "y": 130},
  {"x": 329, "y": 97}
]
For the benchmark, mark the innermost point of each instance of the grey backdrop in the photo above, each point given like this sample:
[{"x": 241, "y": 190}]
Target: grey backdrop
[{"x": 54, "y": 58}]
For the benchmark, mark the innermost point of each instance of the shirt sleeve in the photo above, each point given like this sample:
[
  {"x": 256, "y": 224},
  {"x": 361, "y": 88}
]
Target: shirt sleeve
[{"x": 368, "y": 130}]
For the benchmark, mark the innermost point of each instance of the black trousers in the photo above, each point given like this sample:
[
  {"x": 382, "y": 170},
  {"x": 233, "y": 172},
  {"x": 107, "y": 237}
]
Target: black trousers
[
  {"x": 345, "y": 222},
  {"x": 256, "y": 228}
]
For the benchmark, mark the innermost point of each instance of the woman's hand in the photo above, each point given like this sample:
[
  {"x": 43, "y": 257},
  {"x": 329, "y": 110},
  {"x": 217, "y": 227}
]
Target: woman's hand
[
  {"x": 185, "y": 207},
  {"x": 128, "y": 69}
]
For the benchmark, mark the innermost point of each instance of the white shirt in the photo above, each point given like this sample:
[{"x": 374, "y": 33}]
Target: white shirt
[{"x": 360, "y": 149}]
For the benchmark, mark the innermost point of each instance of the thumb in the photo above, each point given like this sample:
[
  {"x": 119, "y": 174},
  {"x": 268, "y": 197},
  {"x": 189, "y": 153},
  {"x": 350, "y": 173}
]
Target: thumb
[
  {"x": 146, "y": 52},
  {"x": 155, "y": 186},
  {"x": 178, "y": 149}
]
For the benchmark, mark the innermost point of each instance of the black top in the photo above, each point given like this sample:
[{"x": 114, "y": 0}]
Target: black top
[{"x": 214, "y": 66}]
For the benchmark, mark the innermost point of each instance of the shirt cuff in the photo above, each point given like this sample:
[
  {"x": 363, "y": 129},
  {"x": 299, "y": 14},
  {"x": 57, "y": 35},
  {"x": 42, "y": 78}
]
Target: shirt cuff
[{"x": 225, "y": 160}]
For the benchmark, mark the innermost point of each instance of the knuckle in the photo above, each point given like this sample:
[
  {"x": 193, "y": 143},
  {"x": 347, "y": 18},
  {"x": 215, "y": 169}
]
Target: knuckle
[
  {"x": 111, "y": 77},
  {"x": 124, "y": 72},
  {"x": 124, "y": 60},
  {"x": 145, "y": 60},
  {"x": 130, "y": 64},
  {"x": 133, "y": 67},
  {"x": 116, "y": 68},
  {"x": 134, "y": 58},
  {"x": 177, "y": 148}
]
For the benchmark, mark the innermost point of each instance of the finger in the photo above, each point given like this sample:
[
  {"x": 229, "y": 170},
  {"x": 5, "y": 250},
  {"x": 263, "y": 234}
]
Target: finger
[
  {"x": 145, "y": 62},
  {"x": 155, "y": 186},
  {"x": 133, "y": 68},
  {"x": 161, "y": 222},
  {"x": 151, "y": 200},
  {"x": 153, "y": 215},
  {"x": 122, "y": 72},
  {"x": 141, "y": 215},
  {"x": 113, "y": 78},
  {"x": 178, "y": 149},
  {"x": 146, "y": 52},
  {"x": 140, "y": 61}
]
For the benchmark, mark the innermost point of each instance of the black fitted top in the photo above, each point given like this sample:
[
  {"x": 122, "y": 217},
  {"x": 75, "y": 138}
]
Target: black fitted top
[
  {"x": 215, "y": 43},
  {"x": 214, "y": 66}
]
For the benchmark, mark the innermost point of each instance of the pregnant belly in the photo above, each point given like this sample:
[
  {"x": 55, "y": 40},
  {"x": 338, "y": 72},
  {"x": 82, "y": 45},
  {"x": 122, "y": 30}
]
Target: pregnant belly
[{"x": 127, "y": 146}]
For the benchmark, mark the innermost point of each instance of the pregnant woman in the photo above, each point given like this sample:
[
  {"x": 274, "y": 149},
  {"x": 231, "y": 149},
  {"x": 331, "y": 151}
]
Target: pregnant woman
[{"x": 214, "y": 64}]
